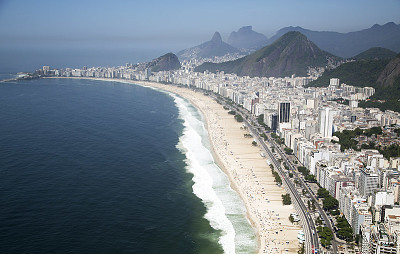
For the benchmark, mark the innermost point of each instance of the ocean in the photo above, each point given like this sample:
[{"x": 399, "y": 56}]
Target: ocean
[{"x": 107, "y": 167}]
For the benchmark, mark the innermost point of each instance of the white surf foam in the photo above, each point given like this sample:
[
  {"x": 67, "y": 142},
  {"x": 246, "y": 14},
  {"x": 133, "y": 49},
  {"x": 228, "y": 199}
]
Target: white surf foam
[{"x": 225, "y": 210}]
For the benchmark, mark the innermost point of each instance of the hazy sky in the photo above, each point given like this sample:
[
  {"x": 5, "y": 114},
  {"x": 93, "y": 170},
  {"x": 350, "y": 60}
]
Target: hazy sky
[{"x": 176, "y": 23}]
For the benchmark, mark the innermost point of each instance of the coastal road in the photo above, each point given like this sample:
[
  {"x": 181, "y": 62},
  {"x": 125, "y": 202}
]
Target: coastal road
[
  {"x": 310, "y": 192},
  {"x": 310, "y": 230}
]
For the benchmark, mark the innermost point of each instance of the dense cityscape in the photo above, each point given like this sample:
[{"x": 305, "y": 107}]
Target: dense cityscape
[{"x": 342, "y": 150}]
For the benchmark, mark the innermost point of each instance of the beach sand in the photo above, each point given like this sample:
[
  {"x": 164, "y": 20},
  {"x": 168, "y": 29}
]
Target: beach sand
[{"x": 248, "y": 171}]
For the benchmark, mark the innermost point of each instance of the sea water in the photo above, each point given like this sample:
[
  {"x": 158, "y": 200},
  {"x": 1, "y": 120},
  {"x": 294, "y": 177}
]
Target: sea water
[{"x": 106, "y": 167}]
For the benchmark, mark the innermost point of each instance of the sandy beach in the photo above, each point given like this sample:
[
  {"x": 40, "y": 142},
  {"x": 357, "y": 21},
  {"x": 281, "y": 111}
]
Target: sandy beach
[{"x": 247, "y": 170}]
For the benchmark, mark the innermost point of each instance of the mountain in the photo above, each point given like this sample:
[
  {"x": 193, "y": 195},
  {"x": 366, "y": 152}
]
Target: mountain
[
  {"x": 360, "y": 73},
  {"x": 209, "y": 49},
  {"x": 352, "y": 43},
  {"x": 388, "y": 88},
  {"x": 246, "y": 38},
  {"x": 291, "y": 54},
  {"x": 390, "y": 76},
  {"x": 166, "y": 62},
  {"x": 381, "y": 74},
  {"x": 376, "y": 53}
]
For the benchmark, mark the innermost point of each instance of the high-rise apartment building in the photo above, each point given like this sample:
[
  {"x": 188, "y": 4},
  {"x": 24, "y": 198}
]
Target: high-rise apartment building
[
  {"x": 369, "y": 181},
  {"x": 284, "y": 112},
  {"x": 325, "y": 122}
]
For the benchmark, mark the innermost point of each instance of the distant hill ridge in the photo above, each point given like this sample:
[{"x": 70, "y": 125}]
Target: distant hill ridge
[
  {"x": 376, "y": 53},
  {"x": 209, "y": 49},
  {"x": 352, "y": 43},
  {"x": 382, "y": 74},
  {"x": 346, "y": 45},
  {"x": 246, "y": 38},
  {"x": 291, "y": 54}
]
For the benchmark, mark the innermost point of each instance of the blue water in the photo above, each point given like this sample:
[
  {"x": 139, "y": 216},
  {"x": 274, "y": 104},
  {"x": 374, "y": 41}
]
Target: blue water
[{"x": 106, "y": 167}]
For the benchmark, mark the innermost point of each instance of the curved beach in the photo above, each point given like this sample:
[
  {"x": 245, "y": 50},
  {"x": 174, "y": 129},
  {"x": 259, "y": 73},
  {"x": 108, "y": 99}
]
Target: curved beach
[{"x": 248, "y": 172}]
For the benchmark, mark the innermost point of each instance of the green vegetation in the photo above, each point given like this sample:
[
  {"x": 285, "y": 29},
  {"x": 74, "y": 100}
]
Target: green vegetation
[
  {"x": 260, "y": 119},
  {"x": 347, "y": 137},
  {"x": 239, "y": 118},
  {"x": 286, "y": 200},
  {"x": 391, "y": 104},
  {"x": 277, "y": 138},
  {"x": 278, "y": 179},
  {"x": 359, "y": 73},
  {"x": 291, "y": 219},
  {"x": 306, "y": 173},
  {"x": 310, "y": 178},
  {"x": 342, "y": 101},
  {"x": 264, "y": 136},
  {"x": 232, "y": 112},
  {"x": 288, "y": 150},
  {"x": 335, "y": 212},
  {"x": 330, "y": 203},
  {"x": 376, "y": 53},
  {"x": 303, "y": 170},
  {"x": 364, "y": 73},
  {"x": 322, "y": 193},
  {"x": 325, "y": 235},
  {"x": 291, "y": 175},
  {"x": 347, "y": 141},
  {"x": 345, "y": 232},
  {"x": 390, "y": 151},
  {"x": 254, "y": 143}
]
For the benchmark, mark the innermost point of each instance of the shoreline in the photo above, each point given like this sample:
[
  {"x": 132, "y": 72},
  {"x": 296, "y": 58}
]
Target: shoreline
[{"x": 248, "y": 172}]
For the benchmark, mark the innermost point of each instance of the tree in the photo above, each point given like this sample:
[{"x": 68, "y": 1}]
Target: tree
[
  {"x": 286, "y": 200},
  {"x": 325, "y": 235},
  {"x": 291, "y": 175},
  {"x": 254, "y": 143},
  {"x": 260, "y": 119},
  {"x": 330, "y": 203},
  {"x": 288, "y": 150},
  {"x": 322, "y": 193},
  {"x": 239, "y": 118},
  {"x": 310, "y": 178}
]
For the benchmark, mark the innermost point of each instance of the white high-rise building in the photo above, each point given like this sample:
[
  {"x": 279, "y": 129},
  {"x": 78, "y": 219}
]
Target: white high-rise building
[
  {"x": 334, "y": 82},
  {"x": 325, "y": 122},
  {"x": 369, "y": 181}
]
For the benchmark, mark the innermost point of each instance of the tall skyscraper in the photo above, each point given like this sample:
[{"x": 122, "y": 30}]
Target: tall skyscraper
[
  {"x": 284, "y": 112},
  {"x": 325, "y": 122}
]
